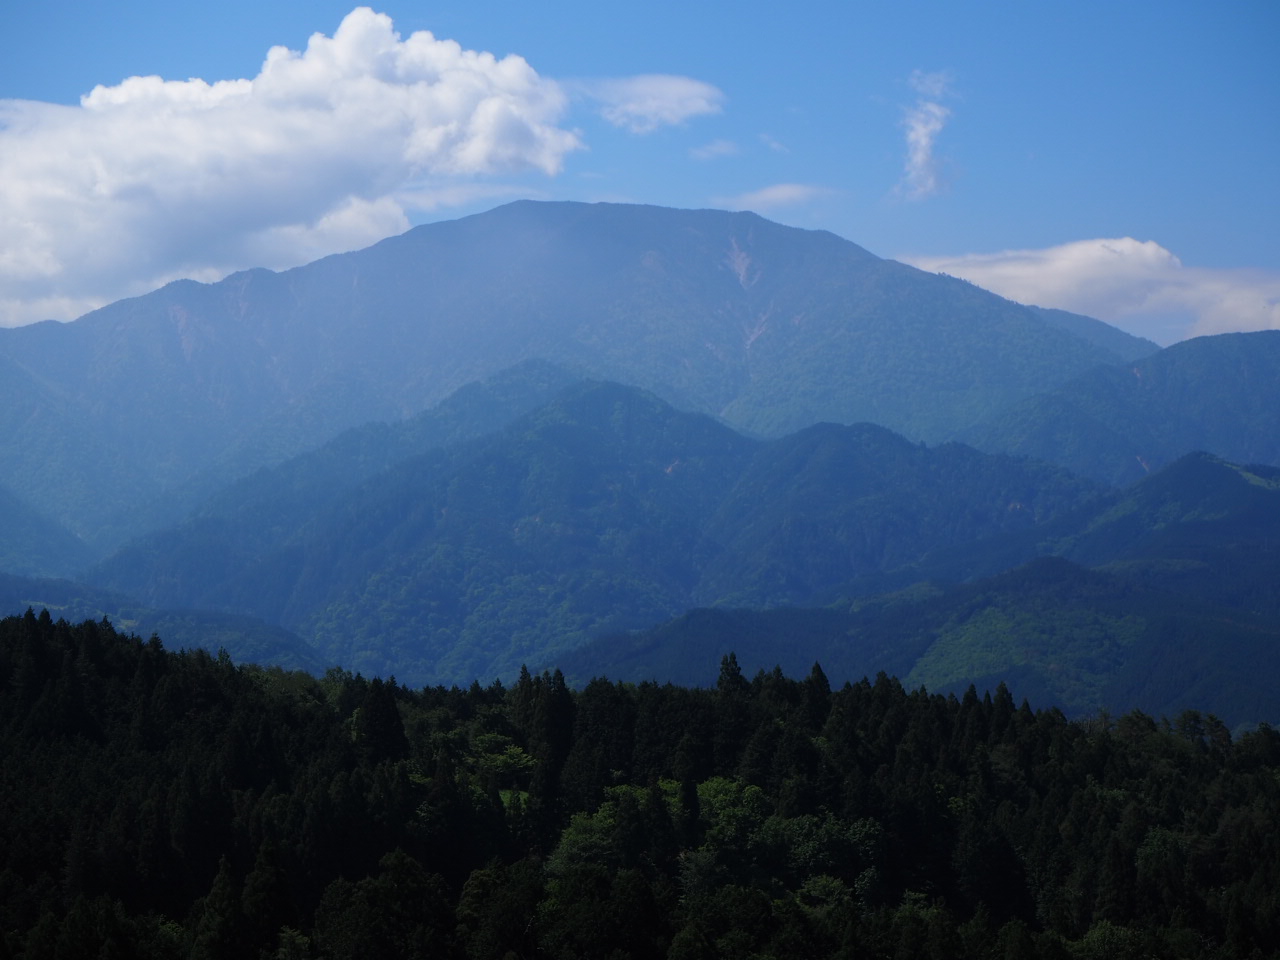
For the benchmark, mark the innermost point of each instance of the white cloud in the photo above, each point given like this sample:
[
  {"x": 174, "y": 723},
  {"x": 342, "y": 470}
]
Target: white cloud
[
  {"x": 774, "y": 197},
  {"x": 923, "y": 121},
  {"x": 1137, "y": 285},
  {"x": 323, "y": 150},
  {"x": 644, "y": 103},
  {"x": 714, "y": 150}
]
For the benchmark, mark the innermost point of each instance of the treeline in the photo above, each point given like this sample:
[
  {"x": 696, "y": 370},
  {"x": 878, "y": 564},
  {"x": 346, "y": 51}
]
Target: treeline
[{"x": 176, "y": 805}]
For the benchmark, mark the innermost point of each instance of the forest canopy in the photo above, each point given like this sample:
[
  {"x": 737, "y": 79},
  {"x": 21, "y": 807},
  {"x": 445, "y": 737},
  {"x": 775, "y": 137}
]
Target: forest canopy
[{"x": 175, "y": 804}]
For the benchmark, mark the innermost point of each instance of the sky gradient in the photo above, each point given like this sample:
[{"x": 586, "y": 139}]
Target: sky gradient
[{"x": 1120, "y": 160}]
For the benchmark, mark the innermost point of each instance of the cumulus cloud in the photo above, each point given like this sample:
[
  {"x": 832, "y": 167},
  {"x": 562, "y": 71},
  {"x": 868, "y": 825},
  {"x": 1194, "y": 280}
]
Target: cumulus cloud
[
  {"x": 1138, "y": 285},
  {"x": 326, "y": 149},
  {"x": 923, "y": 121},
  {"x": 643, "y": 104},
  {"x": 774, "y": 197}
]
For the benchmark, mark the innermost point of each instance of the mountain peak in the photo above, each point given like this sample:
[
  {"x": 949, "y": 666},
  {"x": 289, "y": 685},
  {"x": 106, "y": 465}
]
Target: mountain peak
[{"x": 768, "y": 327}]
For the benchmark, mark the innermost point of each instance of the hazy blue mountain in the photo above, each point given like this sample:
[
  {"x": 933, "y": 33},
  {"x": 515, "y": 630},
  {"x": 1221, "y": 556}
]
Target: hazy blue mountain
[
  {"x": 1119, "y": 423},
  {"x": 185, "y": 565},
  {"x": 1181, "y": 610},
  {"x": 604, "y": 510},
  {"x": 829, "y": 505},
  {"x": 1200, "y": 526},
  {"x": 33, "y": 545},
  {"x": 127, "y": 418},
  {"x": 1124, "y": 345}
]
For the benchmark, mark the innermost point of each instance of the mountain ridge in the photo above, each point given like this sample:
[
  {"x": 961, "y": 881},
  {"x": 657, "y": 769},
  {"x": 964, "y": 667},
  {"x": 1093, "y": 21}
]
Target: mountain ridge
[
  {"x": 1117, "y": 424},
  {"x": 769, "y": 327},
  {"x": 603, "y": 509}
]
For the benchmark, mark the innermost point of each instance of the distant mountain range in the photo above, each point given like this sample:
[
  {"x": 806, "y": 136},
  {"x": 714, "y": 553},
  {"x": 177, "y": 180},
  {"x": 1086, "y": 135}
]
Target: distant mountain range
[
  {"x": 603, "y": 509},
  {"x": 127, "y": 418},
  {"x": 1181, "y": 611},
  {"x": 627, "y": 440},
  {"x": 1119, "y": 423}
]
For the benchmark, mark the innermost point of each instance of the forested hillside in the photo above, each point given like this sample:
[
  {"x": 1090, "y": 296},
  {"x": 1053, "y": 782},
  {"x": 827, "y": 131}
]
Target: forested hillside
[
  {"x": 1076, "y": 639},
  {"x": 602, "y": 510},
  {"x": 1119, "y": 423},
  {"x": 33, "y": 545},
  {"x": 248, "y": 639},
  {"x": 173, "y": 805}
]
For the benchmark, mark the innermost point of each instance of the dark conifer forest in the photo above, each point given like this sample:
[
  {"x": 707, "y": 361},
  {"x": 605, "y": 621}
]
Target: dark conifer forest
[{"x": 174, "y": 804}]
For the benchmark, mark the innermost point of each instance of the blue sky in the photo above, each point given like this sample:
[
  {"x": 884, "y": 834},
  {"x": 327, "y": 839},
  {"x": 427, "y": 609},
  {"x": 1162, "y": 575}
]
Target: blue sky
[{"x": 1121, "y": 160}]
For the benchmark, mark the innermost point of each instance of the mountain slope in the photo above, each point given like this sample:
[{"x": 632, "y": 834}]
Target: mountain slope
[
  {"x": 603, "y": 510},
  {"x": 1124, "y": 345},
  {"x": 1078, "y": 639},
  {"x": 177, "y": 392},
  {"x": 1119, "y": 423},
  {"x": 1181, "y": 610},
  {"x": 33, "y": 545},
  {"x": 828, "y": 505}
]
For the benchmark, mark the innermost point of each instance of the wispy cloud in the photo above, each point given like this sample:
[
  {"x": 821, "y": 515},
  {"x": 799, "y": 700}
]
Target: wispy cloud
[
  {"x": 1138, "y": 285},
  {"x": 152, "y": 179},
  {"x": 774, "y": 197},
  {"x": 642, "y": 104},
  {"x": 923, "y": 121},
  {"x": 773, "y": 144},
  {"x": 714, "y": 150}
]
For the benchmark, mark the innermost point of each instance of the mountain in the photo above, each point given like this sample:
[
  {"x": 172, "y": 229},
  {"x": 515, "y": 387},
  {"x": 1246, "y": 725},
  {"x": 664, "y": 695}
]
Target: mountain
[
  {"x": 126, "y": 419},
  {"x": 604, "y": 509},
  {"x": 1124, "y": 345},
  {"x": 1116, "y": 424},
  {"x": 829, "y": 505},
  {"x": 255, "y": 514},
  {"x": 1077, "y": 639},
  {"x": 1180, "y": 610},
  {"x": 33, "y": 545},
  {"x": 1201, "y": 526}
]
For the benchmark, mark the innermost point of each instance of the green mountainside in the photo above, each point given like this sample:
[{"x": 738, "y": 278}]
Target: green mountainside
[
  {"x": 346, "y": 451},
  {"x": 1124, "y": 345},
  {"x": 33, "y": 545},
  {"x": 1116, "y": 424},
  {"x": 258, "y": 514},
  {"x": 603, "y": 510},
  {"x": 126, "y": 419},
  {"x": 1082, "y": 640},
  {"x": 830, "y": 505},
  {"x": 1181, "y": 610}
]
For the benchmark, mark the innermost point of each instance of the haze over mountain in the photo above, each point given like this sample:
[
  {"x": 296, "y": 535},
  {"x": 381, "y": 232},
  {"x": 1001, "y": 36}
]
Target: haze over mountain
[
  {"x": 31, "y": 544},
  {"x": 1119, "y": 423},
  {"x": 603, "y": 509},
  {"x": 124, "y": 420},
  {"x": 529, "y": 512}
]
